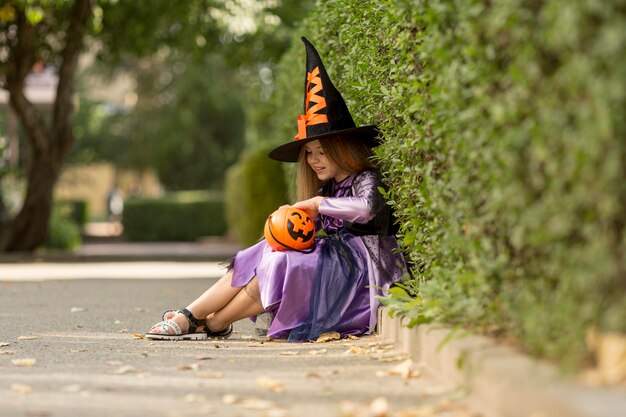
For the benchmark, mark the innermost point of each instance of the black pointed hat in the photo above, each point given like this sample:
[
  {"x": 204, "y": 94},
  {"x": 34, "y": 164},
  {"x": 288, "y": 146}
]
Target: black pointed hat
[{"x": 325, "y": 113}]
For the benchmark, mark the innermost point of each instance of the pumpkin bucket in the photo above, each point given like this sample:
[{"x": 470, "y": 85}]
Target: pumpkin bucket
[{"x": 290, "y": 228}]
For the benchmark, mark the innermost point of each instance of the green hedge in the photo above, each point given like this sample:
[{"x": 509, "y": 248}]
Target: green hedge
[
  {"x": 78, "y": 210},
  {"x": 181, "y": 216},
  {"x": 255, "y": 187},
  {"x": 504, "y": 152},
  {"x": 63, "y": 231}
]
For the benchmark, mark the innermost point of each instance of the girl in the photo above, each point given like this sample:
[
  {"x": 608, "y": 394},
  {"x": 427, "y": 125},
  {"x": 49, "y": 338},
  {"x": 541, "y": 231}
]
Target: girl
[{"x": 333, "y": 288}]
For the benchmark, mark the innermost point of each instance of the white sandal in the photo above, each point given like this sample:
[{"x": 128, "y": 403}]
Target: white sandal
[{"x": 165, "y": 326}]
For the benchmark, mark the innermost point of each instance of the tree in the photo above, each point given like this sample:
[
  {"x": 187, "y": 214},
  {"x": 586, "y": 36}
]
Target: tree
[{"x": 25, "y": 40}]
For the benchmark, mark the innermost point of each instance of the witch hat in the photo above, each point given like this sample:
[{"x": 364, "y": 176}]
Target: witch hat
[{"x": 325, "y": 112}]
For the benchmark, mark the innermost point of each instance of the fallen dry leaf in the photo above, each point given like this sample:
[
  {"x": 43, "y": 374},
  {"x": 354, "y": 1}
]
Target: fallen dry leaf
[
  {"x": 231, "y": 399},
  {"x": 353, "y": 337},
  {"x": 194, "y": 398},
  {"x": 379, "y": 407},
  {"x": 125, "y": 370},
  {"x": 317, "y": 351},
  {"x": 277, "y": 340},
  {"x": 3, "y": 344},
  {"x": 256, "y": 403},
  {"x": 393, "y": 358},
  {"x": 21, "y": 388},
  {"x": 204, "y": 357},
  {"x": 248, "y": 402},
  {"x": 356, "y": 350},
  {"x": 7, "y": 352},
  {"x": 77, "y": 309},
  {"x": 27, "y": 337},
  {"x": 380, "y": 346},
  {"x": 189, "y": 367},
  {"x": 404, "y": 370},
  {"x": 270, "y": 384},
  {"x": 25, "y": 362},
  {"x": 289, "y": 353},
  {"x": 139, "y": 335},
  {"x": 327, "y": 337},
  {"x": 313, "y": 374}
]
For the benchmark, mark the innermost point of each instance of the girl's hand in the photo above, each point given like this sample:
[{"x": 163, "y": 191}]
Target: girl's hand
[{"x": 310, "y": 206}]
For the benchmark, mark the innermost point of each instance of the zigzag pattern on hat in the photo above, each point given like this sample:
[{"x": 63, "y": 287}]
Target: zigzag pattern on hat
[{"x": 313, "y": 87}]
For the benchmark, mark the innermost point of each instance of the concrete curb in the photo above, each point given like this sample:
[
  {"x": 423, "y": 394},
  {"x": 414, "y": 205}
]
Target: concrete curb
[{"x": 499, "y": 380}]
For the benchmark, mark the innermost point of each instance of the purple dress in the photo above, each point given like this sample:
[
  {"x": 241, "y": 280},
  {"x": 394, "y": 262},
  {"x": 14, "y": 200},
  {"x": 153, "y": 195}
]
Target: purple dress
[{"x": 335, "y": 286}]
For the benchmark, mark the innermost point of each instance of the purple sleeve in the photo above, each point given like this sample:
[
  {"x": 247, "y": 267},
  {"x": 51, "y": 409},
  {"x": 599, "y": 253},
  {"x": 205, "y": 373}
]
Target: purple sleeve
[{"x": 362, "y": 206}]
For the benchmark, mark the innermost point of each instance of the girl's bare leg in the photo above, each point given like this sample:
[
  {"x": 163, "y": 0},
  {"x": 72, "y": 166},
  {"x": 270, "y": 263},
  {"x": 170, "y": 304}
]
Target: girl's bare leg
[
  {"x": 215, "y": 298},
  {"x": 245, "y": 304}
]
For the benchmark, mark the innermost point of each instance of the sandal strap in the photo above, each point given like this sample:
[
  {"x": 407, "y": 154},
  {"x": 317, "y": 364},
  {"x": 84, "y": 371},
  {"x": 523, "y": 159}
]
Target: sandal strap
[
  {"x": 168, "y": 311},
  {"x": 222, "y": 333},
  {"x": 163, "y": 326},
  {"x": 194, "y": 323}
]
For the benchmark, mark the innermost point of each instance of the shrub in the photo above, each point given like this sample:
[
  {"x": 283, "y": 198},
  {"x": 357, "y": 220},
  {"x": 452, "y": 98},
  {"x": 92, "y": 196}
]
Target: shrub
[
  {"x": 63, "y": 232},
  {"x": 255, "y": 187},
  {"x": 181, "y": 216},
  {"x": 78, "y": 211},
  {"x": 504, "y": 153}
]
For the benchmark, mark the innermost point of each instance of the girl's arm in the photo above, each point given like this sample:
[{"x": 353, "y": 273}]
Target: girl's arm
[
  {"x": 360, "y": 208},
  {"x": 310, "y": 206}
]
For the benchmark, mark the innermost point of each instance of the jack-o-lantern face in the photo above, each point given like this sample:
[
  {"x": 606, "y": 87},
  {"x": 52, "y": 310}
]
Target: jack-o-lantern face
[
  {"x": 300, "y": 227},
  {"x": 289, "y": 228}
]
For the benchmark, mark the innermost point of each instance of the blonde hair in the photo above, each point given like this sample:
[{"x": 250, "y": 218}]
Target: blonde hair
[{"x": 349, "y": 153}]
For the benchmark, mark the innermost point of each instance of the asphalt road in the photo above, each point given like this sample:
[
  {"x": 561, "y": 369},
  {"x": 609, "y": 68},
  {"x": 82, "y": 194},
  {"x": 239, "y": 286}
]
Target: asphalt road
[{"x": 67, "y": 350}]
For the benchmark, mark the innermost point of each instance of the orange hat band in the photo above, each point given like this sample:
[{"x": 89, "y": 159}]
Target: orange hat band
[{"x": 313, "y": 87}]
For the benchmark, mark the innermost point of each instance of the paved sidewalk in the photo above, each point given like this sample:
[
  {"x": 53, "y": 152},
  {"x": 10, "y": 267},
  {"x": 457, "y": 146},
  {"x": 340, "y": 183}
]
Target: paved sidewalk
[{"x": 67, "y": 350}]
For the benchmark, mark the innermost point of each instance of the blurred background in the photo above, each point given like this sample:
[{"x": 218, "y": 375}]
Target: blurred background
[{"x": 169, "y": 102}]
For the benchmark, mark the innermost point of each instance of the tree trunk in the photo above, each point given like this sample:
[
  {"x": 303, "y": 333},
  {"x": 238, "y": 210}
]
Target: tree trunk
[
  {"x": 48, "y": 143},
  {"x": 29, "y": 228}
]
